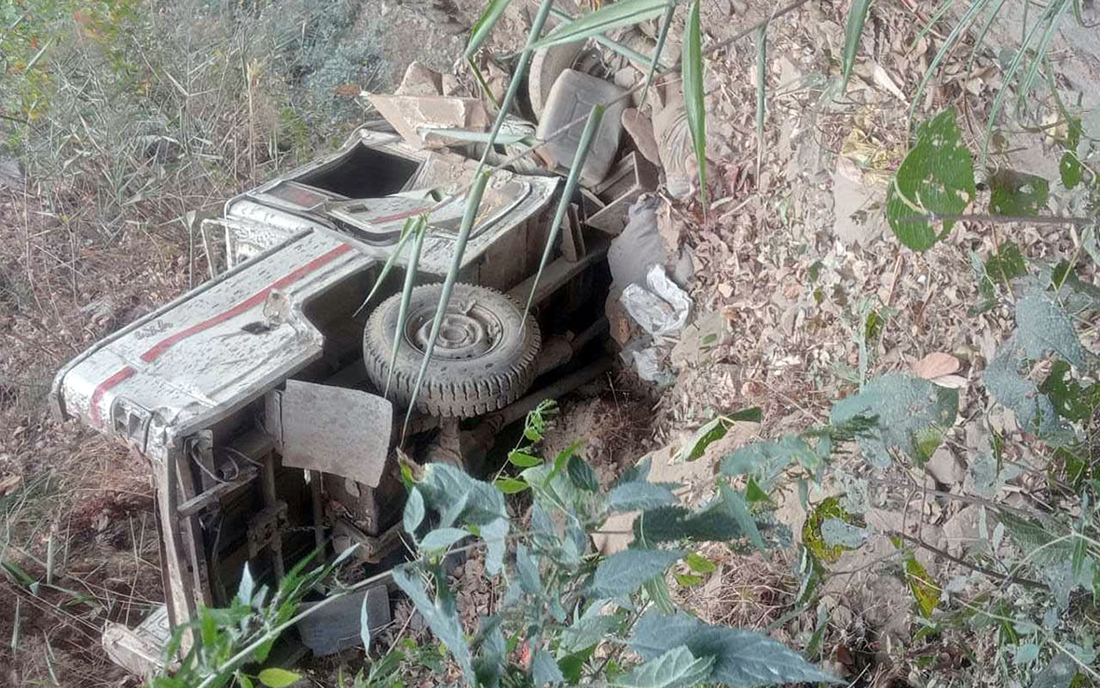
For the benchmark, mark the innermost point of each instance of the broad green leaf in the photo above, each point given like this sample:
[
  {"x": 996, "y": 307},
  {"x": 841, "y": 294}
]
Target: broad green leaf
[
  {"x": 495, "y": 535},
  {"x": 527, "y": 568},
  {"x": 853, "y": 31},
  {"x": 1034, "y": 410},
  {"x": 699, "y": 564},
  {"x": 709, "y": 433},
  {"x": 936, "y": 178},
  {"x": 582, "y": 475},
  {"x": 1006, "y": 265},
  {"x": 925, "y": 590},
  {"x": 674, "y": 669},
  {"x": 442, "y": 539},
  {"x": 767, "y": 460},
  {"x": 622, "y": 573},
  {"x": 694, "y": 92},
  {"x": 572, "y": 665},
  {"x": 1042, "y": 325},
  {"x": 739, "y": 509},
  {"x": 509, "y": 485},
  {"x": 448, "y": 490},
  {"x": 523, "y": 459},
  {"x": 242, "y": 679},
  {"x": 837, "y": 533},
  {"x": 274, "y": 677},
  {"x": 1070, "y": 399},
  {"x": 592, "y": 628},
  {"x": 364, "y": 625},
  {"x": 566, "y": 199},
  {"x": 544, "y": 670},
  {"x": 439, "y": 614},
  {"x": 1070, "y": 170},
  {"x": 610, "y": 16},
  {"x": 1017, "y": 194},
  {"x": 1037, "y": 539},
  {"x": 711, "y": 523},
  {"x": 687, "y": 580},
  {"x": 741, "y": 658},
  {"x": 813, "y": 536},
  {"x": 414, "y": 512},
  {"x": 906, "y": 409},
  {"x": 633, "y": 496},
  {"x": 481, "y": 29},
  {"x": 1059, "y": 673}
]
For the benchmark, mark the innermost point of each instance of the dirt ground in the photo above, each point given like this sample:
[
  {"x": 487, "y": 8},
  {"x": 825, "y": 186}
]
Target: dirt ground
[{"x": 792, "y": 255}]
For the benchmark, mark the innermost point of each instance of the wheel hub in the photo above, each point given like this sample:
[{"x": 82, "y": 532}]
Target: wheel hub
[{"x": 467, "y": 331}]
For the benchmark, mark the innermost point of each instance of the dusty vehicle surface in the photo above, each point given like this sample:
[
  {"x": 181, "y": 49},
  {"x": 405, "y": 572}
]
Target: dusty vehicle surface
[{"x": 257, "y": 397}]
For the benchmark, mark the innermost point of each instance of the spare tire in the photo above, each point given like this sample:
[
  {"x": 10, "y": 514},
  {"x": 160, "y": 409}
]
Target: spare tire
[{"x": 484, "y": 358}]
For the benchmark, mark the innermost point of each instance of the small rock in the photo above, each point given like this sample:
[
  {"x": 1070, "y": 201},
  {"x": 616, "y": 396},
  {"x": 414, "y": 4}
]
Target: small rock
[
  {"x": 420, "y": 80},
  {"x": 945, "y": 468}
]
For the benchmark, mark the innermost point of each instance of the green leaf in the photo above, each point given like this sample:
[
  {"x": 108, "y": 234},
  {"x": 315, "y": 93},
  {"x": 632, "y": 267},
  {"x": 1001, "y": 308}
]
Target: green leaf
[
  {"x": 694, "y": 92},
  {"x": 709, "y": 433},
  {"x": 633, "y": 496},
  {"x": 1071, "y": 170},
  {"x": 544, "y": 670},
  {"x": 853, "y": 30},
  {"x": 741, "y": 658},
  {"x": 275, "y": 677},
  {"x": 495, "y": 535},
  {"x": 674, "y": 669},
  {"x": 481, "y": 30},
  {"x": 687, "y": 580},
  {"x": 1070, "y": 399},
  {"x": 450, "y": 491},
  {"x": 712, "y": 523},
  {"x": 767, "y": 460},
  {"x": 1034, "y": 410},
  {"x": 439, "y": 614},
  {"x": 528, "y": 570},
  {"x": 589, "y": 630},
  {"x": 414, "y": 512},
  {"x": 936, "y": 177},
  {"x": 925, "y": 590},
  {"x": 1042, "y": 325},
  {"x": 581, "y": 475},
  {"x": 699, "y": 564},
  {"x": 836, "y": 532},
  {"x": 905, "y": 408},
  {"x": 739, "y": 509},
  {"x": 1017, "y": 194},
  {"x": 610, "y": 16},
  {"x": 523, "y": 459},
  {"x": 510, "y": 485},
  {"x": 622, "y": 573},
  {"x": 391, "y": 260},
  {"x": 813, "y": 537},
  {"x": 1006, "y": 265},
  {"x": 751, "y": 414},
  {"x": 242, "y": 679},
  {"x": 442, "y": 539}
]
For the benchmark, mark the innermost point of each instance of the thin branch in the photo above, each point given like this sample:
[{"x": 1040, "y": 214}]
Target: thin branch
[{"x": 1026, "y": 582}]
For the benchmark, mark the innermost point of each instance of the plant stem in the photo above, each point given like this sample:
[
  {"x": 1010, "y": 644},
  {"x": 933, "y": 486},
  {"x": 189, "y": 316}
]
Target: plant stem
[{"x": 1026, "y": 582}]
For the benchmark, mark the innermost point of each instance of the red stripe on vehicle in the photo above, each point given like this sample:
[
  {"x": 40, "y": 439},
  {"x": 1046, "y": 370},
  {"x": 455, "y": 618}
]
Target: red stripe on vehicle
[
  {"x": 95, "y": 415},
  {"x": 154, "y": 352}
]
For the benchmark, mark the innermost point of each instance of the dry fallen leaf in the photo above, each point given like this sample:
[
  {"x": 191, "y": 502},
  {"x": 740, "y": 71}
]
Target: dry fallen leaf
[
  {"x": 936, "y": 364},
  {"x": 949, "y": 381}
]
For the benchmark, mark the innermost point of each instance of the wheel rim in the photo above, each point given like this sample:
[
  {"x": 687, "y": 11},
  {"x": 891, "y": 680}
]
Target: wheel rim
[{"x": 468, "y": 330}]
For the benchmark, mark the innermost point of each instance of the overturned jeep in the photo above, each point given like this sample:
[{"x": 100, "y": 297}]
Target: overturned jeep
[{"x": 257, "y": 397}]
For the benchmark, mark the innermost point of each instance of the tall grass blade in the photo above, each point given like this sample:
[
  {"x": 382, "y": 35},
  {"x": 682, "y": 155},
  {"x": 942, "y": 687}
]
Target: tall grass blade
[
  {"x": 999, "y": 99},
  {"x": 480, "y": 31},
  {"x": 15, "y": 624},
  {"x": 761, "y": 92},
  {"x": 581, "y": 155},
  {"x": 484, "y": 85},
  {"x": 613, "y": 16},
  {"x": 857, "y": 17},
  {"x": 964, "y": 23},
  {"x": 942, "y": 10},
  {"x": 612, "y": 45},
  {"x": 666, "y": 22},
  {"x": 390, "y": 261},
  {"x": 420, "y": 231},
  {"x": 693, "y": 95},
  {"x": 1053, "y": 18},
  {"x": 473, "y": 203},
  {"x": 979, "y": 40}
]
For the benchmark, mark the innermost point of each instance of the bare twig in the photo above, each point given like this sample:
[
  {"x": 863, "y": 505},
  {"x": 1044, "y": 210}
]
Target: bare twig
[{"x": 1026, "y": 582}]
